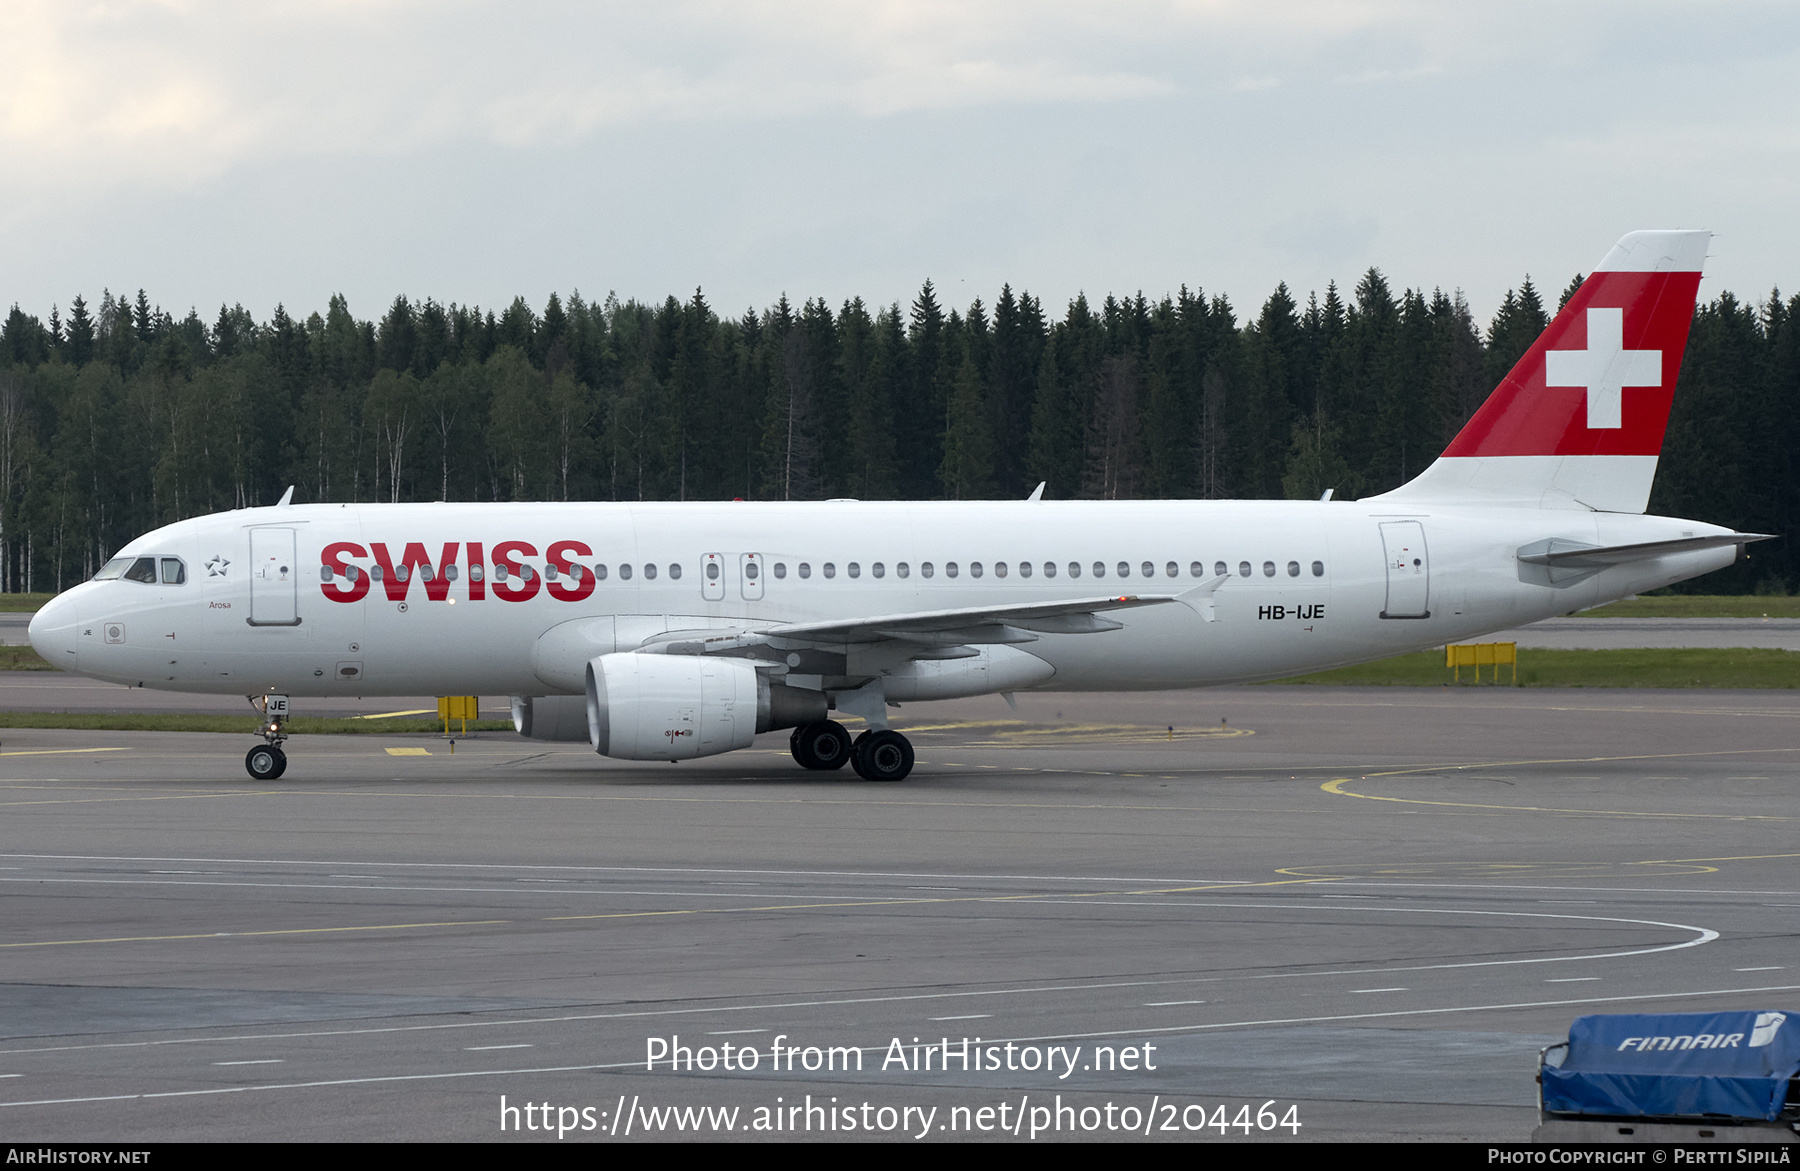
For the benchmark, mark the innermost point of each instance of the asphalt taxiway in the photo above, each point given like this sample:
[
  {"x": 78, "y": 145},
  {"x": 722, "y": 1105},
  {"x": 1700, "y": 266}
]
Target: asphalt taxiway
[{"x": 1361, "y": 910}]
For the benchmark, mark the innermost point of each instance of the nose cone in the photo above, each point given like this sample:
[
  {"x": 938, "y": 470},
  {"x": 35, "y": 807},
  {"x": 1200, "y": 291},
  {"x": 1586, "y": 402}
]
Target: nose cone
[{"x": 53, "y": 632}]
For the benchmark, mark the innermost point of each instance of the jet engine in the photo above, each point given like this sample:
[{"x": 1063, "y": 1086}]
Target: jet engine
[{"x": 675, "y": 707}]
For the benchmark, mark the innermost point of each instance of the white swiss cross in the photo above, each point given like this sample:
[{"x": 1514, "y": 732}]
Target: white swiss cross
[{"x": 1605, "y": 368}]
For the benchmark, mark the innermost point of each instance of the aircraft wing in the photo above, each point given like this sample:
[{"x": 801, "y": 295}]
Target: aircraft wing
[
  {"x": 971, "y": 624},
  {"x": 933, "y": 633}
]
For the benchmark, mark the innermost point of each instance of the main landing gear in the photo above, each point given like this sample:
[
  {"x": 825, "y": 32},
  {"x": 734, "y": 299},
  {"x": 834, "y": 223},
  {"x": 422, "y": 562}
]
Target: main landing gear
[
  {"x": 876, "y": 756},
  {"x": 266, "y": 762},
  {"x": 882, "y": 756},
  {"x": 822, "y": 744}
]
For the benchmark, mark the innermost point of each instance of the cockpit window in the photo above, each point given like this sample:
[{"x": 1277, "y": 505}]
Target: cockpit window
[
  {"x": 143, "y": 569},
  {"x": 173, "y": 571},
  {"x": 112, "y": 569}
]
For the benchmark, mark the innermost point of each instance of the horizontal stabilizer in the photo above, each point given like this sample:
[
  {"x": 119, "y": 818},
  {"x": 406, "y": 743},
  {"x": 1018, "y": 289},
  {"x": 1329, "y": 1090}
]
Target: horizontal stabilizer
[{"x": 1561, "y": 553}]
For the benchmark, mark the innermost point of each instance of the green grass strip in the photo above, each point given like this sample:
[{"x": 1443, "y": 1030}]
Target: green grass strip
[
  {"x": 22, "y": 658},
  {"x": 1753, "y": 667},
  {"x": 1699, "y": 606}
]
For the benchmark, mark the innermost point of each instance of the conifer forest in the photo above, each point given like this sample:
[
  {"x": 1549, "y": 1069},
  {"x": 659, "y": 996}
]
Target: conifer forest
[{"x": 117, "y": 417}]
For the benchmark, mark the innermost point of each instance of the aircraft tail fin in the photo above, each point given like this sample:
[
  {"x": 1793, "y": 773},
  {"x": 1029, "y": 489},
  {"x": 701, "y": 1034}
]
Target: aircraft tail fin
[{"x": 1578, "y": 422}]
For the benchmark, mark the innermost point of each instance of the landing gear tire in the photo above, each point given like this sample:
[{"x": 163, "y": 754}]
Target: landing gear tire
[
  {"x": 265, "y": 762},
  {"x": 882, "y": 756},
  {"x": 822, "y": 744}
]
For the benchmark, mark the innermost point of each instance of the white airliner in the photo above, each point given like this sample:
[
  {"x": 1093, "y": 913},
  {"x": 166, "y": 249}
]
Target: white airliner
[{"x": 668, "y": 631}]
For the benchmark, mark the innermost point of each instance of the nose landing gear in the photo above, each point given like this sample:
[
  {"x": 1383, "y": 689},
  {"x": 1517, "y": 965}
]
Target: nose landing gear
[{"x": 266, "y": 762}]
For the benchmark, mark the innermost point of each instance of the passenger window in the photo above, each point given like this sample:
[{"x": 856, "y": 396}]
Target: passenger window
[
  {"x": 1074, "y": 569},
  {"x": 549, "y": 572},
  {"x": 974, "y": 569},
  {"x": 878, "y": 569},
  {"x": 1197, "y": 569},
  {"x": 451, "y": 573},
  {"x": 1268, "y": 569},
  {"x": 1050, "y": 568},
  {"x": 855, "y": 569},
  {"x": 675, "y": 571},
  {"x": 781, "y": 571},
  {"x": 805, "y": 570},
  {"x": 1243, "y": 569},
  {"x": 925, "y": 569},
  {"x": 1293, "y": 569},
  {"x": 1148, "y": 569},
  {"x": 624, "y": 570},
  {"x": 1318, "y": 569},
  {"x": 999, "y": 569},
  {"x": 142, "y": 570},
  {"x": 650, "y": 572},
  {"x": 902, "y": 570},
  {"x": 1024, "y": 569},
  {"x": 949, "y": 569},
  {"x": 476, "y": 572},
  {"x": 1172, "y": 569},
  {"x": 324, "y": 573},
  {"x": 712, "y": 571},
  {"x": 1124, "y": 569},
  {"x": 403, "y": 573},
  {"x": 376, "y": 573},
  {"x": 599, "y": 571},
  {"x": 1219, "y": 569},
  {"x": 830, "y": 569},
  {"x": 1099, "y": 569},
  {"x": 173, "y": 571}
]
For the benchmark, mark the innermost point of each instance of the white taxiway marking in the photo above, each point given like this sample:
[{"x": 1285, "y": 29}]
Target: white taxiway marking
[
  {"x": 734, "y": 1032},
  {"x": 484, "y": 1048},
  {"x": 1187, "y": 1028},
  {"x": 1361, "y": 990},
  {"x": 1770, "y": 968},
  {"x": 1167, "y": 1003},
  {"x": 1570, "y": 979},
  {"x": 634, "y": 869},
  {"x": 1703, "y": 935},
  {"x": 258, "y": 1061},
  {"x": 972, "y": 1016}
]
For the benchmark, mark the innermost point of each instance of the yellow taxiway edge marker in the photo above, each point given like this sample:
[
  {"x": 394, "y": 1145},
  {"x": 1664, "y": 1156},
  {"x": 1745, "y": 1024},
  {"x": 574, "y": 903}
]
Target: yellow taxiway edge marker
[
  {"x": 54, "y": 751},
  {"x": 424, "y": 711},
  {"x": 409, "y": 752}
]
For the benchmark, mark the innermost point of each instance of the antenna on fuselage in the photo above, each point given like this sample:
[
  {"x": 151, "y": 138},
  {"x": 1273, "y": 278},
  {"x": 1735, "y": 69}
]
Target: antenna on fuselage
[
  {"x": 287, "y": 498},
  {"x": 1037, "y": 493}
]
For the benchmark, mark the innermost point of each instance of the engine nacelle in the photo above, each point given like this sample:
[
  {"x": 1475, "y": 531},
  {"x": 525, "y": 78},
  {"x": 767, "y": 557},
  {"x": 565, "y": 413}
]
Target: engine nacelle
[
  {"x": 675, "y": 707},
  {"x": 550, "y": 717}
]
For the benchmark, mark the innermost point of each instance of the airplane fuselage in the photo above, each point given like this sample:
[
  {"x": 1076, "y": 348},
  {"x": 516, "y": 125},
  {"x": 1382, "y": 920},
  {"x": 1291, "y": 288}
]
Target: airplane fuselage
[{"x": 436, "y": 599}]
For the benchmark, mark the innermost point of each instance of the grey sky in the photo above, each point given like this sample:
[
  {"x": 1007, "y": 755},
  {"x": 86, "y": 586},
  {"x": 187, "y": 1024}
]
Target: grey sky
[{"x": 469, "y": 151}]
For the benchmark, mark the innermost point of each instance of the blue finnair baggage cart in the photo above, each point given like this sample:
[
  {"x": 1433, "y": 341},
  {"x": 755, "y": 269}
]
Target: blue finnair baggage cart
[{"x": 1673, "y": 1077}]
